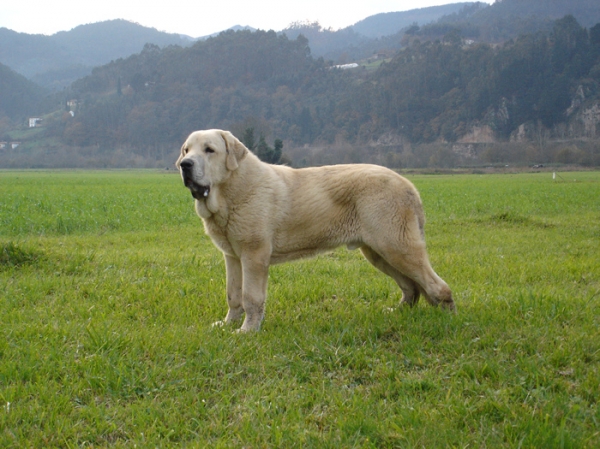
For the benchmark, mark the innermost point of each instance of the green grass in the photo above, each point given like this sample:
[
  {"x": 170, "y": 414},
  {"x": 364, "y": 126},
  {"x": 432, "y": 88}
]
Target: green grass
[
  {"x": 26, "y": 133},
  {"x": 108, "y": 288}
]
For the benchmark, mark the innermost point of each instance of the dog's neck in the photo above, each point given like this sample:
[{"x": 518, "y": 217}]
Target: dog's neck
[
  {"x": 241, "y": 184},
  {"x": 212, "y": 204}
]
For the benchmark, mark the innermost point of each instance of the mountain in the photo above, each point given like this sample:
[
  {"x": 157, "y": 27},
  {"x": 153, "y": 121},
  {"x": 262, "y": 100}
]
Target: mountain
[
  {"x": 436, "y": 88},
  {"x": 587, "y": 12},
  {"x": 385, "y": 24},
  {"x": 20, "y": 97},
  {"x": 499, "y": 22},
  {"x": 56, "y": 61},
  {"x": 429, "y": 91},
  {"x": 507, "y": 19},
  {"x": 233, "y": 28},
  {"x": 366, "y": 37}
]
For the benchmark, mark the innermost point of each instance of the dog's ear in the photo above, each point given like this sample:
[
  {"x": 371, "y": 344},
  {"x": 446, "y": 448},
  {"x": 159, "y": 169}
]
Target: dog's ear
[
  {"x": 236, "y": 151},
  {"x": 181, "y": 154}
]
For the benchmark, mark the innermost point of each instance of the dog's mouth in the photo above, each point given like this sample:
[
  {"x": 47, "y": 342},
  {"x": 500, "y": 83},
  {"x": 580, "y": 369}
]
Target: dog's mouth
[{"x": 198, "y": 191}]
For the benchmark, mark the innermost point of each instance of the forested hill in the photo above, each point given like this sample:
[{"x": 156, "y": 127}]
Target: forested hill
[
  {"x": 153, "y": 99},
  {"x": 445, "y": 89},
  {"x": 440, "y": 89},
  {"x": 496, "y": 23},
  {"x": 431, "y": 91},
  {"x": 507, "y": 19},
  {"x": 19, "y": 95},
  {"x": 377, "y": 32},
  {"x": 58, "y": 60},
  {"x": 388, "y": 23},
  {"x": 585, "y": 11}
]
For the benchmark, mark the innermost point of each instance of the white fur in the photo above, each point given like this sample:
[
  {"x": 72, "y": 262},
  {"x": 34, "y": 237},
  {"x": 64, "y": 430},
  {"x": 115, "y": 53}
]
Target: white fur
[{"x": 259, "y": 214}]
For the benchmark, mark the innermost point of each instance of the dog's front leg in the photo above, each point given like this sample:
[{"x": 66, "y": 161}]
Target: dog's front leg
[
  {"x": 233, "y": 267},
  {"x": 255, "y": 268}
]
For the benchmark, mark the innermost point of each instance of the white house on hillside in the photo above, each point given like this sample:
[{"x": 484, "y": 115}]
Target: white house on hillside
[
  {"x": 34, "y": 121},
  {"x": 11, "y": 145}
]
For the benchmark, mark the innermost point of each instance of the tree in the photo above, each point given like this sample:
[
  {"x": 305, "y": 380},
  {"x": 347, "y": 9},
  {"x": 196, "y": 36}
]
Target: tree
[
  {"x": 248, "y": 139},
  {"x": 413, "y": 29},
  {"x": 278, "y": 150},
  {"x": 306, "y": 124},
  {"x": 137, "y": 82},
  {"x": 268, "y": 154}
]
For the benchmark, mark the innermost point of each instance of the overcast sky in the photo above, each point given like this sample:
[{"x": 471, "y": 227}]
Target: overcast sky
[{"x": 196, "y": 17}]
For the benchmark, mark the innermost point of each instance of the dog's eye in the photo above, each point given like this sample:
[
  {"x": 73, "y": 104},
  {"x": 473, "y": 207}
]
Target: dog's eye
[
  {"x": 186, "y": 150},
  {"x": 209, "y": 150}
]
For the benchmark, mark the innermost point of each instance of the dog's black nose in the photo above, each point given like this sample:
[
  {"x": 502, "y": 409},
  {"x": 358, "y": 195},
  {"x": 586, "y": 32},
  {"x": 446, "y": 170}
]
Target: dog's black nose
[{"x": 186, "y": 164}]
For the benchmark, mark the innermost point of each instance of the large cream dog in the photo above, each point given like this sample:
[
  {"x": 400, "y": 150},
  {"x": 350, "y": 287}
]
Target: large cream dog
[{"x": 259, "y": 214}]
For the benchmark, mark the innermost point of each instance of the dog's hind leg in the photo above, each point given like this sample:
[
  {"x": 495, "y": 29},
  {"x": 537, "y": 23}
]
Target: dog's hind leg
[
  {"x": 410, "y": 289},
  {"x": 414, "y": 264}
]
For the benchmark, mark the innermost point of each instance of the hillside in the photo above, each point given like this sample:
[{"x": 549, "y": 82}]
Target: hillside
[
  {"x": 385, "y": 24},
  {"x": 366, "y": 37},
  {"x": 434, "y": 91},
  {"x": 20, "y": 97},
  {"x": 430, "y": 103},
  {"x": 56, "y": 61},
  {"x": 507, "y": 19},
  {"x": 499, "y": 22},
  {"x": 587, "y": 12}
]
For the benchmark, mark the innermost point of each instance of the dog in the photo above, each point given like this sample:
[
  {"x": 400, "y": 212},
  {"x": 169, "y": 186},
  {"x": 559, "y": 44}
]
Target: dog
[{"x": 260, "y": 214}]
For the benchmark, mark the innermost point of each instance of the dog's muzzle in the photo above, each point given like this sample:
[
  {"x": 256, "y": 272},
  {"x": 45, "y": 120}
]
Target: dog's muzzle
[{"x": 198, "y": 191}]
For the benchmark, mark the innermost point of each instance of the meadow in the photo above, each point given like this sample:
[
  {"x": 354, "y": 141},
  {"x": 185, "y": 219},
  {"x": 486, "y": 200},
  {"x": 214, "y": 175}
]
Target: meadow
[{"x": 108, "y": 288}]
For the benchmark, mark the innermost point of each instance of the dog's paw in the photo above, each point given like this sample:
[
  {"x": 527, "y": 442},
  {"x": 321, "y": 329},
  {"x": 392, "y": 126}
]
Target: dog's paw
[
  {"x": 449, "y": 306},
  {"x": 247, "y": 329}
]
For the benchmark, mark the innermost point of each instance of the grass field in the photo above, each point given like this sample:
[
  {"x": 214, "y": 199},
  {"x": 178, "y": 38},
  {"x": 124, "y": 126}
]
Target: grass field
[{"x": 108, "y": 288}]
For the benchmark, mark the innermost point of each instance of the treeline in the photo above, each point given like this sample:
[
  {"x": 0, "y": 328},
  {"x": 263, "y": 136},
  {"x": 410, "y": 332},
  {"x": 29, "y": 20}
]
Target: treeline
[
  {"x": 237, "y": 79},
  {"x": 507, "y": 19},
  {"x": 439, "y": 90},
  {"x": 496, "y": 23},
  {"x": 430, "y": 92},
  {"x": 18, "y": 96}
]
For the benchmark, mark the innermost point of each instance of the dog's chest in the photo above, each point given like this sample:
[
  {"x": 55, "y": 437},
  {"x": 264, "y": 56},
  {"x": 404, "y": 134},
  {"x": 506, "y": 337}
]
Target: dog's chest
[{"x": 220, "y": 237}]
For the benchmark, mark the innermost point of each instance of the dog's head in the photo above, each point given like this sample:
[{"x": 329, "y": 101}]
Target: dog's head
[{"x": 207, "y": 159}]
